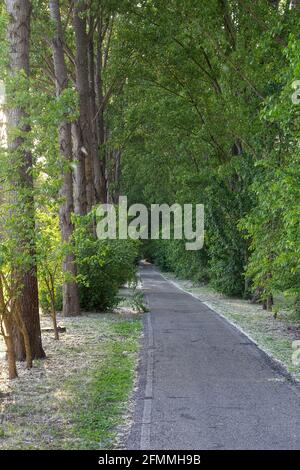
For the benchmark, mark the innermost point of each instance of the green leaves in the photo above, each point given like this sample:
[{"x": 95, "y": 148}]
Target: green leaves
[
  {"x": 103, "y": 265},
  {"x": 211, "y": 121}
]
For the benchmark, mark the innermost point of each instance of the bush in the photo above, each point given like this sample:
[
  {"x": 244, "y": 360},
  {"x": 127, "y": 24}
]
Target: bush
[{"x": 103, "y": 266}]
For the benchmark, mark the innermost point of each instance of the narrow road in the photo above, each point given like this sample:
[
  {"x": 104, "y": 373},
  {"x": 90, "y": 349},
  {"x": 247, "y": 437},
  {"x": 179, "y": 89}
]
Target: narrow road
[{"x": 203, "y": 384}]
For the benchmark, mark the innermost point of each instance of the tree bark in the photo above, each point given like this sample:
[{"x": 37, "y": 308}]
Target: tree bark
[
  {"x": 70, "y": 287},
  {"x": 11, "y": 357},
  {"x": 99, "y": 96},
  {"x": 82, "y": 84},
  {"x": 93, "y": 120},
  {"x": 79, "y": 186},
  {"x": 18, "y": 34},
  {"x": 53, "y": 312},
  {"x": 25, "y": 334},
  {"x": 7, "y": 333}
]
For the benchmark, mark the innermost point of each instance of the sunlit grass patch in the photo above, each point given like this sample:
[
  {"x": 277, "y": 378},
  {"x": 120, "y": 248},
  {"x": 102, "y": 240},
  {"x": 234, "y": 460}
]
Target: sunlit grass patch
[{"x": 101, "y": 404}]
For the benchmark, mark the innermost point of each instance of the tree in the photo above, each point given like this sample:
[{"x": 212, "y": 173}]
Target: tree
[
  {"x": 50, "y": 253},
  {"x": 82, "y": 84},
  {"x": 70, "y": 288},
  {"x": 18, "y": 35}
]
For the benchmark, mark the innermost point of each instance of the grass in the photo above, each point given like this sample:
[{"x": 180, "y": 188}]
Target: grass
[
  {"x": 274, "y": 335},
  {"x": 78, "y": 398},
  {"x": 101, "y": 405}
]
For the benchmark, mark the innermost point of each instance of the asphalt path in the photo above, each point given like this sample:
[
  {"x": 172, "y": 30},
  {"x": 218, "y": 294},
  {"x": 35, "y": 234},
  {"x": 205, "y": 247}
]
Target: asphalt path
[{"x": 203, "y": 384}]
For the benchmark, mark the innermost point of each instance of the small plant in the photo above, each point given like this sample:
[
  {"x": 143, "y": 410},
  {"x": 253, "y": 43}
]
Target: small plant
[
  {"x": 50, "y": 253},
  {"x": 138, "y": 301},
  {"x": 275, "y": 310}
]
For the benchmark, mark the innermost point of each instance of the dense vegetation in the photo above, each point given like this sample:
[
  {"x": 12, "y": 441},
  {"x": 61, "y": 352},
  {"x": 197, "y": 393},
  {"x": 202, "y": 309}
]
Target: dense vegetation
[
  {"x": 180, "y": 101},
  {"x": 212, "y": 104}
]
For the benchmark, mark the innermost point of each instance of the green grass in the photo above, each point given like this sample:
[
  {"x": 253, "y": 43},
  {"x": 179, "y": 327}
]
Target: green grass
[{"x": 100, "y": 405}]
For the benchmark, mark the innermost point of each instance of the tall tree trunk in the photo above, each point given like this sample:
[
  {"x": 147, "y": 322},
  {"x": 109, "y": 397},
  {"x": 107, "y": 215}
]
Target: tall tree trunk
[
  {"x": 117, "y": 175},
  {"x": 82, "y": 84},
  {"x": 93, "y": 120},
  {"x": 18, "y": 38},
  {"x": 79, "y": 186},
  {"x": 100, "y": 116},
  {"x": 70, "y": 287}
]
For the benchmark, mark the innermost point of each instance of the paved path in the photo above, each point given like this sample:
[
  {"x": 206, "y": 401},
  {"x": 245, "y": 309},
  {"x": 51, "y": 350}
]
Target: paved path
[{"x": 203, "y": 384}]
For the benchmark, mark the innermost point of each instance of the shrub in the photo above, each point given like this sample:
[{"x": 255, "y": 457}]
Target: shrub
[{"x": 103, "y": 265}]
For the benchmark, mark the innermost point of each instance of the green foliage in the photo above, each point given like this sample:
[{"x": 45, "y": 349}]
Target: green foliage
[
  {"x": 172, "y": 255},
  {"x": 50, "y": 252},
  {"x": 103, "y": 265},
  {"x": 207, "y": 121},
  {"x": 273, "y": 224},
  {"x": 214, "y": 123},
  {"x": 138, "y": 301}
]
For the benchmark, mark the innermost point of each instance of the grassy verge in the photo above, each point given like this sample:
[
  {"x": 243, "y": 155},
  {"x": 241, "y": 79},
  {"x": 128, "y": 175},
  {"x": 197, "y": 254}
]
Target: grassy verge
[
  {"x": 274, "y": 335},
  {"x": 79, "y": 396},
  {"x": 101, "y": 403}
]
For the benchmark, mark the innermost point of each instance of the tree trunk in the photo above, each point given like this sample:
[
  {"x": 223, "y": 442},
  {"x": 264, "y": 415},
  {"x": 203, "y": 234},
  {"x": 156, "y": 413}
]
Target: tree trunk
[
  {"x": 93, "y": 120},
  {"x": 53, "y": 316},
  {"x": 117, "y": 175},
  {"x": 18, "y": 38},
  {"x": 11, "y": 357},
  {"x": 79, "y": 186},
  {"x": 82, "y": 84},
  {"x": 268, "y": 302},
  {"x": 70, "y": 287},
  {"x": 7, "y": 333},
  {"x": 100, "y": 117},
  {"x": 25, "y": 335}
]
